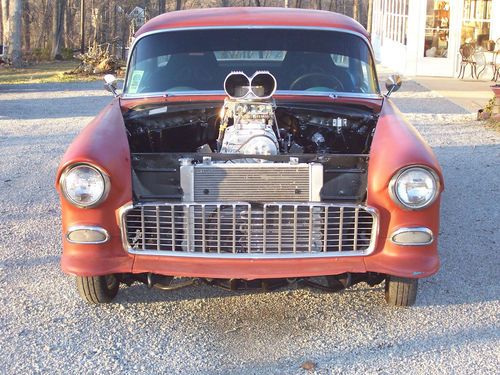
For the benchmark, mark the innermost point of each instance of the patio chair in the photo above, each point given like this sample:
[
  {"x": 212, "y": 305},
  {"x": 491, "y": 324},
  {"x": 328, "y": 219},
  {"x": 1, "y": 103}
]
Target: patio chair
[
  {"x": 467, "y": 53},
  {"x": 496, "y": 65},
  {"x": 480, "y": 61}
]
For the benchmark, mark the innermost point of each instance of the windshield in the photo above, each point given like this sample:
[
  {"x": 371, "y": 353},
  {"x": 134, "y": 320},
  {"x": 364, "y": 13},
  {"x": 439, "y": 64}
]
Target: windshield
[{"x": 300, "y": 59}]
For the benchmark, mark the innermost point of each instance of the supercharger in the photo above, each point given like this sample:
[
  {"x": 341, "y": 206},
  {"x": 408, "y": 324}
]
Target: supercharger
[{"x": 248, "y": 124}]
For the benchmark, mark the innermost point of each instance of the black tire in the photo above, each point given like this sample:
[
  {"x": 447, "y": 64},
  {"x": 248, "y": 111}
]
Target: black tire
[
  {"x": 98, "y": 289},
  {"x": 400, "y": 291}
]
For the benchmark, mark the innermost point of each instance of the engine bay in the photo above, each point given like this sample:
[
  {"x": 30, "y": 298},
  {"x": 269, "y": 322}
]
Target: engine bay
[
  {"x": 249, "y": 124},
  {"x": 290, "y": 128},
  {"x": 250, "y": 127}
]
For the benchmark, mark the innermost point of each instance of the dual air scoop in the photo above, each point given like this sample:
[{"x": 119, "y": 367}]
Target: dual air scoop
[{"x": 261, "y": 85}]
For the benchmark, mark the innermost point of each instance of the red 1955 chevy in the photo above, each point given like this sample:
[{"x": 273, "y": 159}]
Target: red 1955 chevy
[{"x": 250, "y": 147}]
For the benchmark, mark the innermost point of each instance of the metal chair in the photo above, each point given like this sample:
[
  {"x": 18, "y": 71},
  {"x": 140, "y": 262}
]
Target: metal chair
[
  {"x": 496, "y": 65},
  {"x": 496, "y": 61},
  {"x": 467, "y": 51},
  {"x": 481, "y": 61}
]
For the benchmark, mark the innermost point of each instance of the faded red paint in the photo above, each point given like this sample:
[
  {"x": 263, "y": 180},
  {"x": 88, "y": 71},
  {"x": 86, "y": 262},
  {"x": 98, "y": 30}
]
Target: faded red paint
[
  {"x": 102, "y": 143},
  {"x": 251, "y": 17},
  {"x": 374, "y": 104},
  {"x": 396, "y": 144}
]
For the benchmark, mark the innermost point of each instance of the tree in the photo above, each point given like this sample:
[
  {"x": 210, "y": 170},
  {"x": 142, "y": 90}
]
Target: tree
[
  {"x": 26, "y": 25},
  {"x": 15, "y": 34},
  {"x": 369, "y": 15},
  {"x": 162, "y": 6},
  {"x": 178, "y": 5},
  {"x": 355, "y": 10},
  {"x": 82, "y": 26},
  {"x": 5, "y": 22},
  {"x": 69, "y": 24},
  {"x": 114, "y": 21},
  {"x": 57, "y": 28},
  {"x": 1, "y": 24}
]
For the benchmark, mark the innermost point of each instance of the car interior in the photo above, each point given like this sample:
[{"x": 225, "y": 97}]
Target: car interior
[{"x": 301, "y": 71}]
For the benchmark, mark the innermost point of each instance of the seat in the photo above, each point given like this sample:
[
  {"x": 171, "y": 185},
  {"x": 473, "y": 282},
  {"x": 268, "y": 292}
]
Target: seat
[
  {"x": 481, "y": 61},
  {"x": 297, "y": 64},
  {"x": 496, "y": 61},
  {"x": 467, "y": 51},
  {"x": 496, "y": 64},
  {"x": 187, "y": 71}
]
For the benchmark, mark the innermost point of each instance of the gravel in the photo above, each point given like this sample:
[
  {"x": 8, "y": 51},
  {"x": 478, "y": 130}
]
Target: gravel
[{"x": 46, "y": 328}]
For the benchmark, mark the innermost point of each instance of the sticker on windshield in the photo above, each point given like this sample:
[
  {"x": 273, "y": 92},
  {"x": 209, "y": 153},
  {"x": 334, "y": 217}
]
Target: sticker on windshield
[{"x": 135, "y": 81}]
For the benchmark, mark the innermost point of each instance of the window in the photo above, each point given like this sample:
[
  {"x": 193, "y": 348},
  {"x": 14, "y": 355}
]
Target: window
[
  {"x": 437, "y": 29},
  {"x": 390, "y": 19},
  {"x": 476, "y": 23},
  {"x": 301, "y": 60}
]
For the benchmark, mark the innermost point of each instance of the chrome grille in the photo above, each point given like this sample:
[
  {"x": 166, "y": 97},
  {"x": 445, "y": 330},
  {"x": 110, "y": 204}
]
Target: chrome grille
[{"x": 249, "y": 230}]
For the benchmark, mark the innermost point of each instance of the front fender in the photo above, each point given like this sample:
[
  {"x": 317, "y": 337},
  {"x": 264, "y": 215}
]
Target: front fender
[
  {"x": 103, "y": 142},
  {"x": 397, "y": 144}
]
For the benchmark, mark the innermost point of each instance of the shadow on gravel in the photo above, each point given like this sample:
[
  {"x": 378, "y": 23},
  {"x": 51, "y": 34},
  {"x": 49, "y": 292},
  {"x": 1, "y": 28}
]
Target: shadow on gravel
[
  {"x": 374, "y": 352},
  {"x": 422, "y": 105},
  {"x": 66, "y": 107},
  {"x": 410, "y": 86},
  {"x": 139, "y": 293},
  {"x": 30, "y": 262},
  {"x": 51, "y": 87},
  {"x": 470, "y": 237}
]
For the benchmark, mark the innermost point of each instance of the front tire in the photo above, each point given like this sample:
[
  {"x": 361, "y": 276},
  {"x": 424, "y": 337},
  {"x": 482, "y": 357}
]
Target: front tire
[
  {"x": 97, "y": 289},
  {"x": 400, "y": 291}
]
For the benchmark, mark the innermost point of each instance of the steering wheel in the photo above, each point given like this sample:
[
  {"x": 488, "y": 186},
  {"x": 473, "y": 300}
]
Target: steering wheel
[{"x": 309, "y": 80}]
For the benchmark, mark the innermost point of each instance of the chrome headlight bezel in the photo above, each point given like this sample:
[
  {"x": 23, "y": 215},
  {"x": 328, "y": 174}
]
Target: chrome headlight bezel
[
  {"x": 101, "y": 173},
  {"x": 393, "y": 184}
]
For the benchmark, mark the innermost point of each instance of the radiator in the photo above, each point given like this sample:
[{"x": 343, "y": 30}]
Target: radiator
[{"x": 252, "y": 182}]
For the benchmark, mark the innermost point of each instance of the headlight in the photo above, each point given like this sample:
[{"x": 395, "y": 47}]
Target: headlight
[
  {"x": 414, "y": 187},
  {"x": 84, "y": 185}
]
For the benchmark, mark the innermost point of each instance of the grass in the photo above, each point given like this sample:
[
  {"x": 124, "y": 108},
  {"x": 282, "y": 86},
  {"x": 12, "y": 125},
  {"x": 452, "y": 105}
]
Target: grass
[{"x": 45, "y": 72}]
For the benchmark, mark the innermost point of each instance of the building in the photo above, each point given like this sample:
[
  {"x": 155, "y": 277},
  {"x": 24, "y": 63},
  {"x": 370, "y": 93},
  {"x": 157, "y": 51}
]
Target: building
[{"x": 423, "y": 37}]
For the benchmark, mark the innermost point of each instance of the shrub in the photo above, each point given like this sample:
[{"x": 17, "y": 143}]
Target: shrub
[
  {"x": 41, "y": 54},
  {"x": 67, "y": 53}
]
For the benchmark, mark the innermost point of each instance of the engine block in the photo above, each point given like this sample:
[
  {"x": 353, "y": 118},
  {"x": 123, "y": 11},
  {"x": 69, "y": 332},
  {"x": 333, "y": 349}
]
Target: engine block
[
  {"x": 252, "y": 131},
  {"x": 248, "y": 124}
]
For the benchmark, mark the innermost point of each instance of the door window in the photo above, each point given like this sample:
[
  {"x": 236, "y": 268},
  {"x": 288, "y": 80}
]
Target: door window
[
  {"x": 476, "y": 23},
  {"x": 437, "y": 28}
]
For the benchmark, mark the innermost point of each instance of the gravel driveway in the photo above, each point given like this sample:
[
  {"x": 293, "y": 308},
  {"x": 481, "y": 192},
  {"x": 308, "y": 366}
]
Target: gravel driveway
[{"x": 46, "y": 328}]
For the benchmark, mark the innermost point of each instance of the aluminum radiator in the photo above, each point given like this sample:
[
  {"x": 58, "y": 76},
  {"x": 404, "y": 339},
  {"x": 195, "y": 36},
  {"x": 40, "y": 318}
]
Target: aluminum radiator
[{"x": 252, "y": 182}]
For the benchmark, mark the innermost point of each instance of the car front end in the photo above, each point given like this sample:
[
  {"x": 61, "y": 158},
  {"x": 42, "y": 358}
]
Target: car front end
[{"x": 298, "y": 169}]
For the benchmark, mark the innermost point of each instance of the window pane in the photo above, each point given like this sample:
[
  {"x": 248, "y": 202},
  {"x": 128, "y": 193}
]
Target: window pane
[
  {"x": 476, "y": 23},
  {"x": 437, "y": 27},
  {"x": 197, "y": 60}
]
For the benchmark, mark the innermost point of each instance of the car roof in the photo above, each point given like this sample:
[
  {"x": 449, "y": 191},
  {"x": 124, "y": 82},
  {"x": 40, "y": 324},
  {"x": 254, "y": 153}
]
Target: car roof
[{"x": 251, "y": 16}]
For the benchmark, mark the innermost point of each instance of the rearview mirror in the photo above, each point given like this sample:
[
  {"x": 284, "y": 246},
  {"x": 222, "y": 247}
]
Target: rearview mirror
[
  {"x": 110, "y": 84},
  {"x": 393, "y": 84}
]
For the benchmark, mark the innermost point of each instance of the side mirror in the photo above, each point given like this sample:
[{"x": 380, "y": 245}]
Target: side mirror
[
  {"x": 110, "y": 84},
  {"x": 393, "y": 84}
]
